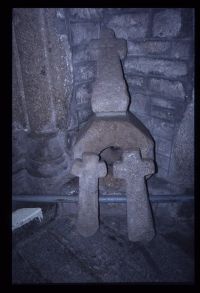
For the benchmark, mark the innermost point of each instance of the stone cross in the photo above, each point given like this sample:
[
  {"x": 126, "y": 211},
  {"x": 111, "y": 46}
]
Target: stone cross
[
  {"x": 89, "y": 169},
  {"x": 110, "y": 91},
  {"x": 139, "y": 218}
]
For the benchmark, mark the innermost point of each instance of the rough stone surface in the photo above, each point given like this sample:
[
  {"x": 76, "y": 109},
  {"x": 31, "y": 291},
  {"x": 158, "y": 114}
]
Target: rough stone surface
[
  {"x": 168, "y": 88},
  {"x": 47, "y": 185},
  {"x": 109, "y": 90},
  {"x": 60, "y": 63},
  {"x": 139, "y": 219},
  {"x": 162, "y": 173},
  {"x": 162, "y": 161},
  {"x": 163, "y": 146},
  {"x": 140, "y": 103},
  {"x": 129, "y": 26},
  {"x": 84, "y": 72},
  {"x": 181, "y": 50},
  {"x": 35, "y": 71},
  {"x": 162, "y": 113},
  {"x": 61, "y": 27},
  {"x": 167, "y": 23},
  {"x": 135, "y": 82},
  {"x": 55, "y": 253},
  {"x": 47, "y": 156},
  {"x": 162, "y": 128},
  {"x": 148, "y": 48},
  {"x": 84, "y": 113},
  {"x": 88, "y": 170},
  {"x": 83, "y": 33},
  {"x": 112, "y": 127},
  {"x": 19, "y": 139},
  {"x": 19, "y": 114},
  {"x": 19, "y": 182},
  {"x": 83, "y": 93},
  {"x": 121, "y": 131},
  {"x": 86, "y": 13},
  {"x": 19, "y": 272},
  {"x": 163, "y": 102},
  {"x": 145, "y": 65},
  {"x": 48, "y": 73},
  {"x": 182, "y": 163},
  {"x": 83, "y": 53},
  {"x": 44, "y": 81}
]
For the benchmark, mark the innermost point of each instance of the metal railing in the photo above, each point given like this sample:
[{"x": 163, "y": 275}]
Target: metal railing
[{"x": 102, "y": 198}]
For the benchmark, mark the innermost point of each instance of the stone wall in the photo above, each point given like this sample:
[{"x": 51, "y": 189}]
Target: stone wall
[{"x": 55, "y": 93}]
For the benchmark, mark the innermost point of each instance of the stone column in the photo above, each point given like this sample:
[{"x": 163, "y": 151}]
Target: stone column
[
  {"x": 89, "y": 169},
  {"x": 139, "y": 218},
  {"x": 46, "y": 74}
]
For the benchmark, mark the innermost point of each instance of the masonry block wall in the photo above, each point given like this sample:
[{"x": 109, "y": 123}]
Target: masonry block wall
[{"x": 158, "y": 69}]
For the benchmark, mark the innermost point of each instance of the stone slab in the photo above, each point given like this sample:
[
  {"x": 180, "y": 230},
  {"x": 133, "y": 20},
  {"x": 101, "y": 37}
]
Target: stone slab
[
  {"x": 101, "y": 254},
  {"x": 167, "y": 23},
  {"x": 182, "y": 158},
  {"x": 23, "y": 273},
  {"x": 83, "y": 33},
  {"x": 148, "y": 48},
  {"x": 129, "y": 26},
  {"x": 55, "y": 262},
  {"x": 157, "y": 66},
  {"x": 168, "y": 88}
]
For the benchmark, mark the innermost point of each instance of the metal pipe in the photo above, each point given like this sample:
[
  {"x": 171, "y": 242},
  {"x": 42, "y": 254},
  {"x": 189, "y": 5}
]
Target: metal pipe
[{"x": 102, "y": 198}]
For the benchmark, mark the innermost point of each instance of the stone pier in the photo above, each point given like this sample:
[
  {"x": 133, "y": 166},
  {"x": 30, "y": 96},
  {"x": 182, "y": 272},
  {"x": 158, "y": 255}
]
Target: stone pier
[{"x": 42, "y": 59}]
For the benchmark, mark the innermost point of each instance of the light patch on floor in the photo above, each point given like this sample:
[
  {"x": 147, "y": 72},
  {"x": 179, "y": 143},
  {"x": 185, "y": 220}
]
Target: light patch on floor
[{"x": 23, "y": 216}]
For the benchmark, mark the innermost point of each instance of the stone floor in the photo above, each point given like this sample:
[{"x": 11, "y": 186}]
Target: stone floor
[{"x": 53, "y": 252}]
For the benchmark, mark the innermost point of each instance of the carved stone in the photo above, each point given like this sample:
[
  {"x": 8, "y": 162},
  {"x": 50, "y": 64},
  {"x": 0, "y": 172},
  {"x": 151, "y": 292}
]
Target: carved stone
[
  {"x": 113, "y": 126},
  {"x": 134, "y": 169},
  {"x": 109, "y": 92},
  {"x": 89, "y": 169}
]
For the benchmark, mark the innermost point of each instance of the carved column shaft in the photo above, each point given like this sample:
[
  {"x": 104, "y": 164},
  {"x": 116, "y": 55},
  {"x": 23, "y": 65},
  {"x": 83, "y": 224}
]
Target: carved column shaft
[{"x": 41, "y": 39}]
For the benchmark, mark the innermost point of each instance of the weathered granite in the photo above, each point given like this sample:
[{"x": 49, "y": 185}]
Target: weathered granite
[
  {"x": 156, "y": 66},
  {"x": 32, "y": 44},
  {"x": 86, "y": 13},
  {"x": 124, "y": 131},
  {"x": 139, "y": 48},
  {"x": 47, "y": 156},
  {"x": 112, "y": 127},
  {"x": 42, "y": 92},
  {"x": 130, "y": 25},
  {"x": 133, "y": 169},
  {"x": 109, "y": 91},
  {"x": 46, "y": 66},
  {"x": 181, "y": 49},
  {"x": 140, "y": 104},
  {"x": 182, "y": 157},
  {"x": 19, "y": 144},
  {"x": 167, "y": 88},
  {"x": 88, "y": 170},
  {"x": 19, "y": 108},
  {"x": 167, "y": 23},
  {"x": 83, "y": 33}
]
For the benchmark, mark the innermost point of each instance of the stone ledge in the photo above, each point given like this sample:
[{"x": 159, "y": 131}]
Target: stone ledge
[
  {"x": 167, "y": 23},
  {"x": 157, "y": 66}
]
